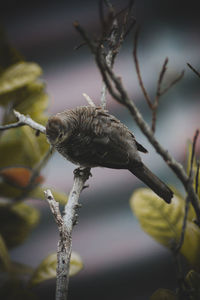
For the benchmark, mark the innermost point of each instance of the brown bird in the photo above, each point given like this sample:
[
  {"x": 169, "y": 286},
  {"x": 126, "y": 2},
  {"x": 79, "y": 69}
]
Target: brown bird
[{"x": 91, "y": 137}]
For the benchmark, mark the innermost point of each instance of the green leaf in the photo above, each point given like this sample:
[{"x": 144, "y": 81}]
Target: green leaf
[
  {"x": 164, "y": 223},
  {"x": 32, "y": 100},
  {"x": 38, "y": 193},
  {"x": 16, "y": 222},
  {"x": 4, "y": 256},
  {"x": 20, "y": 146},
  {"x": 193, "y": 282},
  {"x": 163, "y": 294},
  {"x": 47, "y": 268},
  {"x": 18, "y": 75}
]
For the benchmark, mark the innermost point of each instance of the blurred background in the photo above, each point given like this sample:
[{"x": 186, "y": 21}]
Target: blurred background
[{"x": 120, "y": 260}]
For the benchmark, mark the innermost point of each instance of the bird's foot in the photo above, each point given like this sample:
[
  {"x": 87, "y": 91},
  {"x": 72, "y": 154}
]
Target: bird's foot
[{"x": 81, "y": 171}]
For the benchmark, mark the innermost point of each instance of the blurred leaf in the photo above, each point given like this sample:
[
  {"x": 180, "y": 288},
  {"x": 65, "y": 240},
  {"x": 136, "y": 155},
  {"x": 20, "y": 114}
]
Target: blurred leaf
[
  {"x": 164, "y": 222},
  {"x": 18, "y": 75},
  {"x": 18, "y": 269},
  {"x": 19, "y": 176},
  {"x": 16, "y": 222},
  {"x": 4, "y": 256},
  {"x": 193, "y": 281},
  {"x": 20, "y": 146},
  {"x": 163, "y": 294},
  {"x": 76, "y": 264},
  {"x": 14, "y": 289},
  {"x": 38, "y": 193},
  {"x": 34, "y": 101},
  {"x": 47, "y": 268}
]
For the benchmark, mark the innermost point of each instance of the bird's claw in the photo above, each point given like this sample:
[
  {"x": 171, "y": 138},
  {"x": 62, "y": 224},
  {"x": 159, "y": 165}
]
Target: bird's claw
[{"x": 81, "y": 171}]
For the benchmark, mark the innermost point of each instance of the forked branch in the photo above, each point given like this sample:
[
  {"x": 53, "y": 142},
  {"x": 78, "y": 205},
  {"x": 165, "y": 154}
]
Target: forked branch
[
  {"x": 117, "y": 91},
  {"x": 153, "y": 104}
]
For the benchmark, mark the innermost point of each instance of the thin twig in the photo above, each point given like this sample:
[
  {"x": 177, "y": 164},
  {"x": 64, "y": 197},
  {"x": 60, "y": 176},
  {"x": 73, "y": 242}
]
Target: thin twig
[
  {"x": 24, "y": 120},
  {"x": 180, "y": 243},
  {"x": 28, "y": 121},
  {"x": 172, "y": 83},
  {"x": 153, "y": 105},
  {"x": 193, "y": 69},
  {"x": 187, "y": 201},
  {"x": 158, "y": 94},
  {"x": 197, "y": 178},
  {"x": 54, "y": 206},
  {"x": 112, "y": 39},
  {"x": 160, "y": 79},
  {"x": 122, "y": 97},
  {"x": 193, "y": 152},
  {"x": 146, "y": 96},
  {"x": 89, "y": 100},
  {"x": 118, "y": 92},
  {"x": 65, "y": 225}
]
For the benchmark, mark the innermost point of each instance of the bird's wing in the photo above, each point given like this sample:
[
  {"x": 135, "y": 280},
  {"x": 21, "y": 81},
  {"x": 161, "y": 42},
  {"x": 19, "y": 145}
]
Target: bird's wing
[{"x": 111, "y": 140}]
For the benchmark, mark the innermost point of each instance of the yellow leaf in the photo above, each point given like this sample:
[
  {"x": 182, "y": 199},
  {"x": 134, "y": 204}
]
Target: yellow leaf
[
  {"x": 32, "y": 100},
  {"x": 20, "y": 146},
  {"x": 191, "y": 245},
  {"x": 16, "y": 222},
  {"x": 18, "y": 75},
  {"x": 47, "y": 268},
  {"x": 164, "y": 222},
  {"x": 163, "y": 294},
  {"x": 4, "y": 256}
]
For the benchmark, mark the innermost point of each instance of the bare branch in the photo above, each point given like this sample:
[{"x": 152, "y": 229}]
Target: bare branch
[
  {"x": 122, "y": 97},
  {"x": 54, "y": 206},
  {"x": 146, "y": 96},
  {"x": 193, "y": 69},
  {"x": 24, "y": 120},
  {"x": 112, "y": 40},
  {"x": 88, "y": 99},
  {"x": 161, "y": 77},
  {"x": 175, "y": 81},
  {"x": 180, "y": 243},
  {"x": 65, "y": 225},
  {"x": 197, "y": 178},
  {"x": 193, "y": 151},
  {"x": 28, "y": 121},
  {"x": 118, "y": 92},
  {"x": 158, "y": 94},
  {"x": 187, "y": 201}
]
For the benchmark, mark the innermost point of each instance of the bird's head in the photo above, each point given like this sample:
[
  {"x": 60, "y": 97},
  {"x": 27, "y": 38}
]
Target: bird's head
[{"x": 57, "y": 130}]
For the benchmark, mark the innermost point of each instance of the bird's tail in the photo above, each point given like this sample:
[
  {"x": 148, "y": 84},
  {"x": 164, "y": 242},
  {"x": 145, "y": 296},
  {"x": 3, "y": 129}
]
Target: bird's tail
[{"x": 152, "y": 181}]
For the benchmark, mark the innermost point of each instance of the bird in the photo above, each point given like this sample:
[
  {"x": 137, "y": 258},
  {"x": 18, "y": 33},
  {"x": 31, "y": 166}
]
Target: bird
[{"x": 89, "y": 136}]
